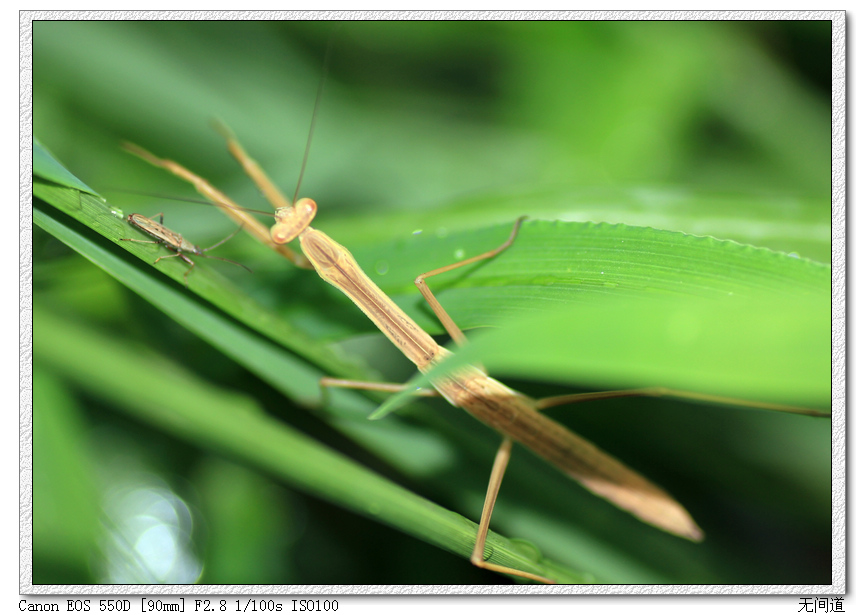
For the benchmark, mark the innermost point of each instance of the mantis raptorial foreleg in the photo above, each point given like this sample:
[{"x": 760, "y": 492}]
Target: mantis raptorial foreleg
[{"x": 234, "y": 211}]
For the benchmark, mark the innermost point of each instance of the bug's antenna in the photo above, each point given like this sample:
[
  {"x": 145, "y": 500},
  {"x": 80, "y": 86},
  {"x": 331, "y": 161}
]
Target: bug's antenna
[{"x": 315, "y": 110}]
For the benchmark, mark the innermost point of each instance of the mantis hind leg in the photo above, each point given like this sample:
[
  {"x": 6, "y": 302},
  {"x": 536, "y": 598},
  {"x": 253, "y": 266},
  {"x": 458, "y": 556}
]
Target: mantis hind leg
[
  {"x": 477, "y": 558},
  {"x": 504, "y": 453},
  {"x": 559, "y": 400},
  {"x": 499, "y": 466}
]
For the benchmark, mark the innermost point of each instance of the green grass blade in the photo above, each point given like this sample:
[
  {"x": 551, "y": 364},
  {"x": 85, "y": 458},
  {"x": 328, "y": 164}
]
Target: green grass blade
[
  {"x": 291, "y": 376},
  {"x": 294, "y": 377},
  {"x": 110, "y": 223},
  {"x": 765, "y": 350},
  {"x": 232, "y": 424},
  {"x": 785, "y": 224},
  {"x": 46, "y": 166},
  {"x": 726, "y": 138},
  {"x": 692, "y": 269}
]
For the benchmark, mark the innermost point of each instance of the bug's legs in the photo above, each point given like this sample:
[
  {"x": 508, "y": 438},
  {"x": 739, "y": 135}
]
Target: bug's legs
[
  {"x": 498, "y": 472},
  {"x": 448, "y": 323},
  {"x": 477, "y": 558},
  {"x": 191, "y": 265},
  {"x": 504, "y": 453},
  {"x": 139, "y": 240},
  {"x": 185, "y": 259},
  {"x": 273, "y": 194},
  {"x": 499, "y": 466},
  {"x": 363, "y": 385},
  {"x": 387, "y": 387},
  {"x": 251, "y": 168},
  {"x": 549, "y": 402},
  {"x": 232, "y": 209},
  {"x": 172, "y": 256}
]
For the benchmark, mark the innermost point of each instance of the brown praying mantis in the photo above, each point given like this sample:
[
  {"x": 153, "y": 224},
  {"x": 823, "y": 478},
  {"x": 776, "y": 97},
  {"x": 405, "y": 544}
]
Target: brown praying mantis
[{"x": 513, "y": 415}]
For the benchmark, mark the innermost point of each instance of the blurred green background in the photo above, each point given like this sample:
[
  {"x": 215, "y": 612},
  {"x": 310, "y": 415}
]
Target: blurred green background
[{"x": 712, "y": 128}]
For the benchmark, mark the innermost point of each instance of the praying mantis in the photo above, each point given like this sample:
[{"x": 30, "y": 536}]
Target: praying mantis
[{"x": 513, "y": 415}]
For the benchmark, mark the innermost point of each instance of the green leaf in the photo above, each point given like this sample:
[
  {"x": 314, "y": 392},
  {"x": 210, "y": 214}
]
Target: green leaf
[
  {"x": 784, "y": 224},
  {"x": 66, "y": 512},
  {"x": 768, "y": 349},
  {"x": 725, "y": 139},
  {"x": 233, "y": 424},
  {"x": 625, "y": 307},
  {"x": 47, "y": 167},
  {"x": 633, "y": 293},
  {"x": 280, "y": 369},
  {"x": 553, "y": 264},
  {"x": 100, "y": 217}
]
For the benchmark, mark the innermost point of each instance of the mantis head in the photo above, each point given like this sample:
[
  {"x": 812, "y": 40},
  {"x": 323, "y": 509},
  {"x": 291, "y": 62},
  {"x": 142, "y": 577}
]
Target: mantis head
[{"x": 292, "y": 221}]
